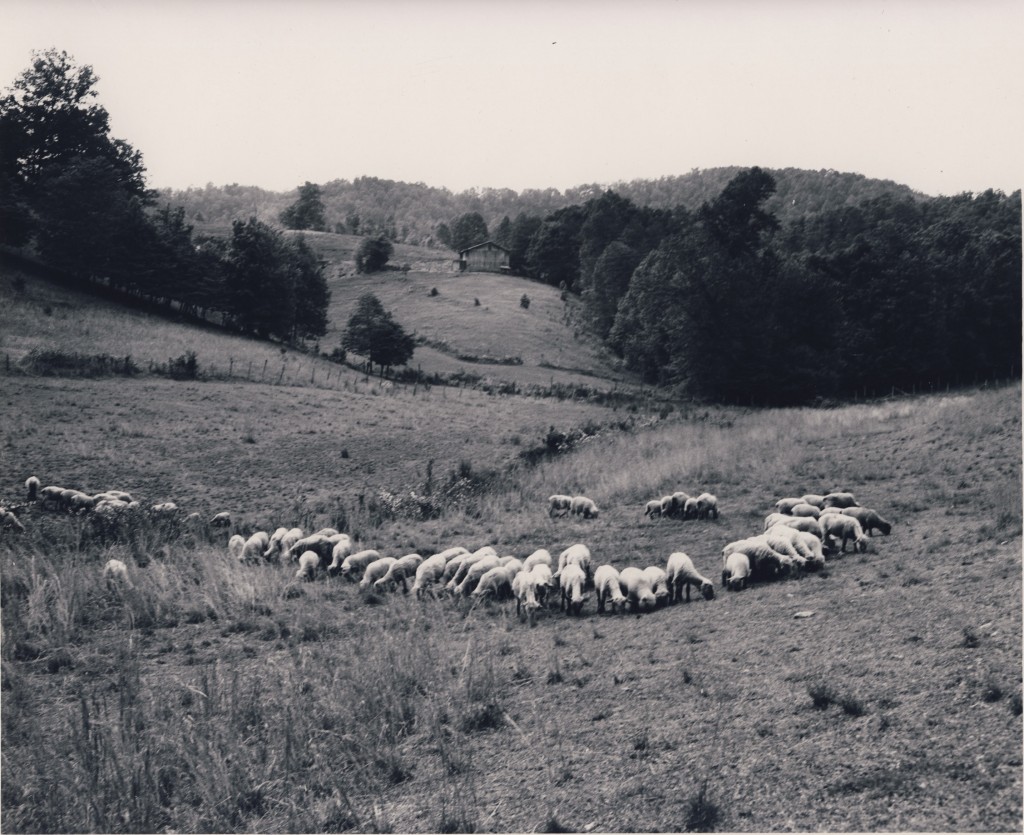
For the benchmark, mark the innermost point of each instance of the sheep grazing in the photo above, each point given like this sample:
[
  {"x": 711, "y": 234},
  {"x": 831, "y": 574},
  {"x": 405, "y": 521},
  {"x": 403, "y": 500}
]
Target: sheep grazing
[
  {"x": 451, "y": 553},
  {"x": 319, "y": 542},
  {"x": 608, "y": 590},
  {"x": 839, "y": 500},
  {"x": 842, "y": 527},
  {"x": 457, "y": 568},
  {"x": 807, "y": 524},
  {"x": 707, "y": 506},
  {"x": 682, "y": 572},
  {"x": 164, "y": 509},
  {"x": 690, "y": 508},
  {"x": 578, "y": 554},
  {"x": 254, "y": 547},
  {"x": 32, "y": 486},
  {"x": 80, "y": 502},
  {"x": 870, "y": 520},
  {"x": 281, "y": 543},
  {"x": 10, "y": 522},
  {"x": 814, "y": 499},
  {"x": 764, "y": 560},
  {"x": 545, "y": 582},
  {"x": 658, "y": 578},
  {"x": 309, "y": 564},
  {"x": 328, "y": 532},
  {"x": 805, "y": 510},
  {"x": 571, "y": 581},
  {"x": 354, "y": 565},
  {"x": 50, "y": 496},
  {"x": 498, "y": 581},
  {"x": 539, "y": 557},
  {"x": 582, "y": 506},
  {"x": 342, "y": 548},
  {"x": 786, "y": 505},
  {"x": 804, "y": 547},
  {"x": 474, "y": 573},
  {"x": 653, "y": 508},
  {"x": 524, "y": 588},
  {"x": 115, "y": 573},
  {"x": 736, "y": 571},
  {"x": 679, "y": 499},
  {"x": 428, "y": 573},
  {"x": 667, "y": 505},
  {"x": 221, "y": 520},
  {"x": 399, "y": 572},
  {"x": 559, "y": 505},
  {"x": 375, "y": 570},
  {"x": 635, "y": 586},
  {"x": 781, "y": 540},
  {"x": 236, "y": 545}
]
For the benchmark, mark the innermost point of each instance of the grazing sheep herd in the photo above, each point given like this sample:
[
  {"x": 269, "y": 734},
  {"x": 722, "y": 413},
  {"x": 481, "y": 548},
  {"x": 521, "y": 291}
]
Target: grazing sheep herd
[{"x": 797, "y": 535}]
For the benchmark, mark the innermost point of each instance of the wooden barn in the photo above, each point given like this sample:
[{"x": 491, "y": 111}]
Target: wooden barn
[{"x": 487, "y": 257}]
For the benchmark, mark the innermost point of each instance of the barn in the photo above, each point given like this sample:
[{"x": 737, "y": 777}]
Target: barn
[{"x": 487, "y": 257}]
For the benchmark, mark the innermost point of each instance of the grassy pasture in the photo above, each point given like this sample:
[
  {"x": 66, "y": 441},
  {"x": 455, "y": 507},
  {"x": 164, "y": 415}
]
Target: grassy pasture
[{"x": 213, "y": 698}]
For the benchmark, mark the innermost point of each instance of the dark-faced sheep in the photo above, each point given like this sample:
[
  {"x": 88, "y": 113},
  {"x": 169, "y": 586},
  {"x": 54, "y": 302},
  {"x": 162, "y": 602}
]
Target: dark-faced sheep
[
  {"x": 844, "y": 528},
  {"x": 375, "y": 570},
  {"x": 254, "y": 547},
  {"x": 653, "y": 508},
  {"x": 524, "y": 587},
  {"x": 582, "y": 506},
  {"x": 571, "y": 582},
  {"x": 869, "y": 519},
  {"x": 608, "y": 590},
  {"x": 309, "y": 564},
  {"x": 354, "y": 565},
  {"x": 399, "y": 571},
  {"x": 636, "y": 588},
  {"x": 428, "y": 573},
  {"x": 682, "y": 572},
  {"x": 839, "y": 500},
  {"x": 559, "y": 505},
  {"x": 736, "y": 571},
  {"x": 32, "y": 487},
  {"x": 707, "y": 506}
]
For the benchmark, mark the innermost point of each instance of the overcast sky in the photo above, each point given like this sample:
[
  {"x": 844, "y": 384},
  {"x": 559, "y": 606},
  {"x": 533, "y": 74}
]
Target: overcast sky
[{"x": 530, "y": 94}]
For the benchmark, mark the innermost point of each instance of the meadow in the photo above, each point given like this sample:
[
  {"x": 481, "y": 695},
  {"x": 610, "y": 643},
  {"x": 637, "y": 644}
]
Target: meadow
[{"x": 215, "y": 697}]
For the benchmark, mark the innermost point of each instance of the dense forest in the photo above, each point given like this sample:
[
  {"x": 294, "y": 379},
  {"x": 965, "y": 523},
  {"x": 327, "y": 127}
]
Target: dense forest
[{"x": 733, "y": 285}]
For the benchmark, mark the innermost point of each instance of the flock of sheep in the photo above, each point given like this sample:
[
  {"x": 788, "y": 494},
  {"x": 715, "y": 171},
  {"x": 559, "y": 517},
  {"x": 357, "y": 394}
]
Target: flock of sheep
[{"x": 797, "y": 535}]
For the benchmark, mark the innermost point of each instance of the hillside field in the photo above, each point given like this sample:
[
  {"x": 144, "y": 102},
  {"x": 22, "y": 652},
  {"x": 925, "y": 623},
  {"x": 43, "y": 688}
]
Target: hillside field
[{"x": 212, "y": 696}]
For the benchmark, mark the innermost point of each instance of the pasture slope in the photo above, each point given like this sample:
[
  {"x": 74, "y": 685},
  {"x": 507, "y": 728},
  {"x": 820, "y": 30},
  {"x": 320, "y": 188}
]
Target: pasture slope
[{"x": 215, "y": 697}]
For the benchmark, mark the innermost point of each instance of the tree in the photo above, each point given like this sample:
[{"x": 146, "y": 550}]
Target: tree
[
  {"x": 307, "y": 212},
  {"x": 373, "y": 333},
  {"x": 260, "y": 280},
  {"x": 373, "y": 254},
  {"x": 312, "y": 295},
  {"x": 468, "y": 230}
]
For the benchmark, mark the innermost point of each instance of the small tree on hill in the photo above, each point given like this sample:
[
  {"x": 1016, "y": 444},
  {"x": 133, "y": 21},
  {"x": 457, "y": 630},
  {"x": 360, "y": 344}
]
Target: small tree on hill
[
  {"x": 307, "y": 212},
  {"x": 373, "y": 333},
  {"x": 373, "y": 254}
]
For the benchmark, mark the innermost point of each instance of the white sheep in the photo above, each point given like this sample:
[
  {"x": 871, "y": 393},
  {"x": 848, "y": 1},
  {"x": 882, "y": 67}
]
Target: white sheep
[
  {"x": 843, "y": 527},
  {"x": 807, "y": 546},
  {"x": 342, "y": 548},
  {"x": 473, "y": 574},
  {"x": 578, "y": 554},
  {"x": 682, "y": 572},
  {"x": 281, "y": 543},
  {"x": 254, "y": 547},
  {"x": 679, "y": 502},
  {"x": 653, "y": 508},
  {"x": 813, "y": 498},
  {"x": 736, "y": 571},
  {"x": 320, "y": 543},
  {"x": 457, "y": 569},
  {"x": 807, "y": 524},
  {"x": 309, "y": 564},
  {"x": 399, "y": 572},
  {"x": 50, "y": 496},
  {"x": 869, "y": 519},
  {"x": 355, "y": 564},
  {"x": 559, "y": 505},
  {"x": 32, "y": 486},
  {"x": 524, "y": 587},
  {"x": 805, "y": 510},
  {"x": 161, "y": 508},
  {"x": 658, "y": 578},
  {"x": 607, "y": 589},
  {"x": 764, "y": 560},
  {"x": 571, "y": 582},
  {"x": 781, "y": 539},
  {"x": 786, "y": 505},
  {"x": 582, "y": 506},
  {"x": 707, "y": 506},
  {"x": 690, "y": 508},
  {"x": 236, "y": 545},
  {"x": 328, "y": 532},
  {"x": 546, "y": 582},
  {"x": 220, "y": 520},
  {"x": 636, "y": 588},
  {"x": 115, "y": 573},
  {"x": 451, "y": 553},
  {"x": 375, "y": 570},
  {"x": 667, "y": 505},
  {"x": 839, "y": 500},
  {"x": 498, "y": 581},
  {"x": 428, "y": 573},
  {"x": 539, "y": 557}
]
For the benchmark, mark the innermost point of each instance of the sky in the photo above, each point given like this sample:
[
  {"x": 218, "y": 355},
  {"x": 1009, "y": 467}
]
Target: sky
[{"x": 555, "y": 93}]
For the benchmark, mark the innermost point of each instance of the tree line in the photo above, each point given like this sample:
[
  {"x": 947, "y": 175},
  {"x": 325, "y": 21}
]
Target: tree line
[
  {"x": 74, "y": 197},
  {"x": 728, "y": 303}
]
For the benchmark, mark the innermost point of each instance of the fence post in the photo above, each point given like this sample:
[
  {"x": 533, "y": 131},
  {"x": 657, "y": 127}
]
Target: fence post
[
  {"x": 264, "y": 374},
  {"x": 281, "y": 375},
  {"x": 248, "y": 373},
  {"x": 231, "y": 367}
]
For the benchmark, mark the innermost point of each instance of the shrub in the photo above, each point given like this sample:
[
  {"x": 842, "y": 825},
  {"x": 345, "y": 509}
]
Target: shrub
[
  {"x": 524, "y": 302},
  {"x": 434, "y": 292}
]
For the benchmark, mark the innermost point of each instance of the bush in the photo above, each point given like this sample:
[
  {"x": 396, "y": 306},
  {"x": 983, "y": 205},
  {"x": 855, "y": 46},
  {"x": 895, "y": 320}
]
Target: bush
[
  {"x": 524, "y": 302},
  {"x": 373, "y": 254}
]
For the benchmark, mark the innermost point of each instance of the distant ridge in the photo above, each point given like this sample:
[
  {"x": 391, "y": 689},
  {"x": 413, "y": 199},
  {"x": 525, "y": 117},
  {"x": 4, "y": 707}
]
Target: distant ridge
[{"x": 410, "y": 212}]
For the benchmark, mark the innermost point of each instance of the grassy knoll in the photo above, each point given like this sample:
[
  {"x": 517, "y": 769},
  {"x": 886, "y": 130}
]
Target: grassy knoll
[{"x": 211, "y": 697}]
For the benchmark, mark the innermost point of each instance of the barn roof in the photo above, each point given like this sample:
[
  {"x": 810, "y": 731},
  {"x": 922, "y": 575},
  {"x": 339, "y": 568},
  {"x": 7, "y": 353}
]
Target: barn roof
[{"x": 485, "y": 243}]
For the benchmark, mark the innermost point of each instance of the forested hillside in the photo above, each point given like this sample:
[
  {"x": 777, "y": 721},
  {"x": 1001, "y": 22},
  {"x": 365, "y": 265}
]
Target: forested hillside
[{"x": 412, "y": 212}]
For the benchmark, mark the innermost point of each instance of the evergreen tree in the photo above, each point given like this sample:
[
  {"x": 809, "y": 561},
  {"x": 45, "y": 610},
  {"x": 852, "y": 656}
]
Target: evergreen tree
[
  {"x": 373, "y": 254},
  {"x": 307, "y": 212},
  {"x": 468, "y": 230},
  {"x": 373, "y": 333}
]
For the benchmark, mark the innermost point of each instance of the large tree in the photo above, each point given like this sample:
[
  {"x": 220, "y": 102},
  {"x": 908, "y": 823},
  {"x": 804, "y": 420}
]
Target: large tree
[
  {"x": 468, "y": 230},
  {"x": 307, "y": 212},
  {"x": 373, "y": 333},
  {"x": 373, "y": 254}
]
